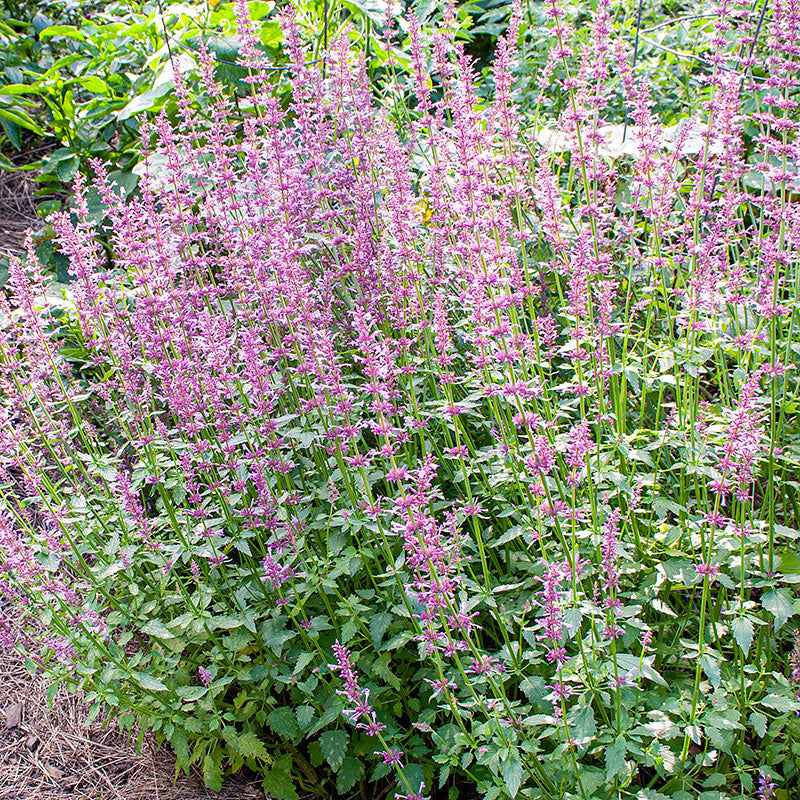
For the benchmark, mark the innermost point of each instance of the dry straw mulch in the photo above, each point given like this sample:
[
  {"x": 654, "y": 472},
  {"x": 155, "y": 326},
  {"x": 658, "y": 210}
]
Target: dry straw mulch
[
  {"x": 17, "y": 209},
  {"x": 49, "y": 753}
]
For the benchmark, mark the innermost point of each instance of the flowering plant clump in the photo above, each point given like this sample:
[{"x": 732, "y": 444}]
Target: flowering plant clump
[{"x": 425, "y": 443}]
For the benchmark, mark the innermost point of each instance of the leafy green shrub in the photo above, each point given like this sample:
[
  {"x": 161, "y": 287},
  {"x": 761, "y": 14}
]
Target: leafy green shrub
[{"x": 397, "y": 447}]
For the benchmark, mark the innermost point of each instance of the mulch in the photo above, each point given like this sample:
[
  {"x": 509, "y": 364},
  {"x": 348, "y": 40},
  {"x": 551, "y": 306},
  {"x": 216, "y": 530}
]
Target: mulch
[{"x": 18, "y": 204}]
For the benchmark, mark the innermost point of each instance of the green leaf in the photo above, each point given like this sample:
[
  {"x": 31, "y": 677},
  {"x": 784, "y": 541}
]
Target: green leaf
[
  {"x": 743, "y": 633},
  {"x": 582, "y": 726},
  {"x": 212, "y": 774},
  {"x": 283, "y": 721},
  {"x": 190, "y": 693},
  {"x": 780, "y": 703},
  {"x": 331, "y": 713},
  {"x": 147, "y": 101},
  {"x": 715, "y": 779},
  {"x": 511, "y": 770},
  {"x": 629, "y": 663},
  {"x": 94, "y": 84},
  {"x": 250, "y": 746},
  {"x": 180, "y": 747},
  {"x": 759, "y": 723},
  {"x": 40, "y": 22},
  {"x": 22, "y": 119},
  {"x": 615, "y": 758},
  {"x": 380, "y": 669},
  {"x": 349, "y": 774},
  {"x": 304, "y": 716},
  {"x": 62, "y": 30},
  {"x": 334, "y": 746},
  {"x": 158, "y": 629},
  {"x": 378, "y": 625},
  {"x": 779, "y": 604},
  {"x": 149, "y": 682},
  {"x": 17, "y": 89},
  {"x": 227, "y": 622},
  {"x": 12, "y": 131},
  {"x": 711, "y": 668},
  {"x": 278, "y": 783}
]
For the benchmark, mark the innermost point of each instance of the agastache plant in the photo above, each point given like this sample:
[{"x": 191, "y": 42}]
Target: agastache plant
[{"x": 417, "y": 442}]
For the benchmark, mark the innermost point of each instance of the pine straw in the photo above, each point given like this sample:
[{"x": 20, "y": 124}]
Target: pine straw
[
  {"x": 17, "y": 209},
  {"x": 50, "y": 754}
]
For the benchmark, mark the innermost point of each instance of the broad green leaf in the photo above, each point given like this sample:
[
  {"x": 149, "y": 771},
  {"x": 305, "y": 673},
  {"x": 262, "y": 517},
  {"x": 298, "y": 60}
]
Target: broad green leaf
[
  {"x": 278, "y": 783},
  {"x": 511, "y": 770},
  {"x": 212, "y": 774},
  {"x": 93, "y": 83},
  {"x": 641, "y": 667},
  {"x": 711, "y": 668},
  {"x": 190, "y": 693},
  {"x": 331, "y": 713},
  {"x": 227, "y": 622},
  {"x": 780, "y": 702},
  {"x": 283, "y": 721},
  {"x": 743, "y": 629},
  {"x": 151, "y": 100},
  {"x": 615, "y": 758},
  {"x": 378, "y": 626},
  {"x": 759, "y": 723},
  {"x": 582, "y": 726},
  {"x": 304, "y": 716},
  {"x": 158, "y": 629},
  {"x": 63, "y": 30},
  {"x": 334, "y": 747},
  {"x": 250, "y": 746},
  {"x": 779, "y": 604},
  {"x": 349, "y": 774},
  {"x": 149, "y": 682}
]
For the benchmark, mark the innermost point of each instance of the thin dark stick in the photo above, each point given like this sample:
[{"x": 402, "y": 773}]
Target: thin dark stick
[{"x": 633, "y": 63}]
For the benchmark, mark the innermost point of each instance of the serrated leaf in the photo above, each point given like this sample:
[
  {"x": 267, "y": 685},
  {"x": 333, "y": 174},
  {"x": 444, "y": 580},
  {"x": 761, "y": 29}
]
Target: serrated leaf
[
  {"x": 191, "y": 693},
  {"x": 582, "y": 726},
  {"x": 511, "y": 770},
  {"x": 380, "y": 669},
  {"x": 759, "y": 723},
  {"x": 715, "y": 779},
  {"x": 779, "y": 604},
  {"x": 615, "y": 758},
  {"x": 149, "y": 682},
  {"x": 743, "y": 630},
  {"x": 668, "y": 757},
  {"x": 334, "y": 747},
  {"x": 250, "y": 746},
  {"x": 278, "y": 783},
  {"x": 158, "y": 629},
  {"x": 180, "y": 747},
  {"x": 711, "y": 668},
  {"x": 212, "y": 774},
  {"x": 227, "y": 622},
  {"x": 640, "y": 667},
  {"x": 780, "y": 703},
  {"x": 378, "y": 625},
  {"x": 331, "y": 713},
  {"x": 349, "y": 774},
  {"x": 304, "y": 716},
  {"x": 283, "y": 721}
]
